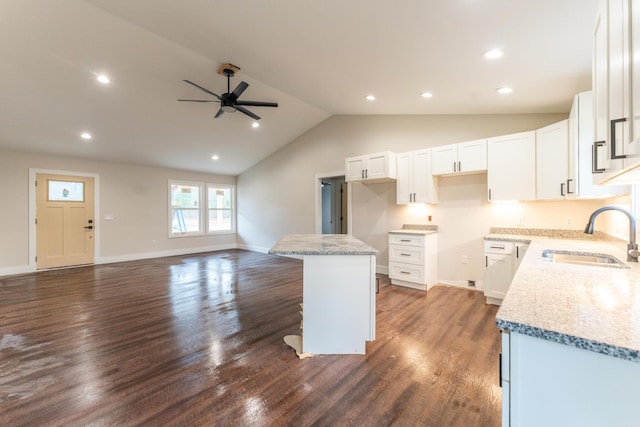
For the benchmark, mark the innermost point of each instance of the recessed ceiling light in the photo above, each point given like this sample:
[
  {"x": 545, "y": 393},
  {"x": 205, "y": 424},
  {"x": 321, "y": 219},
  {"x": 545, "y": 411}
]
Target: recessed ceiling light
[
  {"x": 103, "y": 79},
  {"x": 255, "y": 125},
  {"x": 370, "y": 98},
  {"x": 504, "y": 90},
  {"x": 493, "y": 54},
  {"x": 85, "y": 135},
  {"x": 426, "y": 95},
  {"x": 215, "y": 157}
]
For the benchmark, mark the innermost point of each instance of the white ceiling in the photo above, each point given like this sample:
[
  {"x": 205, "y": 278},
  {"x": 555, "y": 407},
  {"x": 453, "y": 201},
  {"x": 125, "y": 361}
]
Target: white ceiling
[{"x": 315, "y": 58}]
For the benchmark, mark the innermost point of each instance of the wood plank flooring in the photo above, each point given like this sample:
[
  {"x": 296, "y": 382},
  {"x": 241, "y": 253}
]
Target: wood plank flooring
[{"x": 197, "y": 340}]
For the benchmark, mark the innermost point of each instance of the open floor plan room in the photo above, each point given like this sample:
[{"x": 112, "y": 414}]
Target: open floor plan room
[{"x": 198, "y": 340}]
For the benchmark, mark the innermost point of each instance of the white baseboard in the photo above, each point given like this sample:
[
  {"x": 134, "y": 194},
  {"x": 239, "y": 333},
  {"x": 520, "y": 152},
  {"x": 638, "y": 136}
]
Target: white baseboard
[
  {"x": 160, "y": 254},
  {"x": 16, "y": 269},
  {"x": 461, "y": 284},
  {"x": 252, "y": 248}
]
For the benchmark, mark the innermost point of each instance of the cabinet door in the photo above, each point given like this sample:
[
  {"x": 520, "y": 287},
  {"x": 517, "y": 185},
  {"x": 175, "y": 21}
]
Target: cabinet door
[
  {"x": 600, "y": 91},
  {"x": 619, "y": 83},
  {"x": 511, "y": 167},
  {"x": 634, "y": 63},
  {"x": 552, "y": 148},
  {"x": 472, "y": 156},
  {"x": 445, "y": 159},
  {"x": 404, "y": 183},
  {"x": 497, "y": 278},
  {"x": 425, "y": 185},
  {"x": 355, "y": 167},
  {"x": 378, "y": 166}
]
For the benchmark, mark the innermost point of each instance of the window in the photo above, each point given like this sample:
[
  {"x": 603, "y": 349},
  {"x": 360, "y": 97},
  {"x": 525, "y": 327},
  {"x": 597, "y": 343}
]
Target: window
[
  {"x": 185, "y": 208},
  {"x": 66, "y": 191},
  {"x": 220, "y": 202},
  {"x": 192, "y": 211}
]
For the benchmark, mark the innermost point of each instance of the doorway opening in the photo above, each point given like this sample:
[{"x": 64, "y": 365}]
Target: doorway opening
[{"x": 334, "y": 203}]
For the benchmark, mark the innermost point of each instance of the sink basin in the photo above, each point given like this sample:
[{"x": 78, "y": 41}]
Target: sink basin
[{"x": 583, "y": 258}]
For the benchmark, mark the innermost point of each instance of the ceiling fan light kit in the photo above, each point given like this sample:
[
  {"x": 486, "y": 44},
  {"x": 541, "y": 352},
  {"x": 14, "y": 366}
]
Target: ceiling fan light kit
[{"x": 229, "y": 102}]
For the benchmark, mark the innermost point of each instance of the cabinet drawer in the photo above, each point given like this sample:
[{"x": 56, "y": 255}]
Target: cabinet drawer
[
  {"x": 406, "y": 239},
  {"x": 406, "y": 254},
  {"x": 407, "y": 272},
  {"x": 498, "y": 247}
]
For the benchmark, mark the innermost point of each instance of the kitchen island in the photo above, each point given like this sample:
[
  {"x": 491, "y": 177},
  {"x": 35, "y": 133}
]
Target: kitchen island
[
  {"x": 571, "y": 338},
  {"x": 338, "y": 291}
]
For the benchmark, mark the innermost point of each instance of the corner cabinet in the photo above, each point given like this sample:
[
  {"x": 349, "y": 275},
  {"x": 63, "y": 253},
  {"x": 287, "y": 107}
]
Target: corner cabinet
[
  {"x": 502, "y": 259},
  {"x": 371, "y": 168},
  {"x": 511, "y": 167},
  {"x": 461, "y": 158},
  {"x": 415, "y": 183},
  {"x": 552, "y": 152}
]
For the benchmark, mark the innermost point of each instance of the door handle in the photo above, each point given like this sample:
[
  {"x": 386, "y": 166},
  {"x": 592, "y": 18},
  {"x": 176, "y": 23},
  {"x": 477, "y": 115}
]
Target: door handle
[
  {"x": 89, "y": 227},
  {"x": 614, "y": 155},
  {"x": 594, "y": 158}
]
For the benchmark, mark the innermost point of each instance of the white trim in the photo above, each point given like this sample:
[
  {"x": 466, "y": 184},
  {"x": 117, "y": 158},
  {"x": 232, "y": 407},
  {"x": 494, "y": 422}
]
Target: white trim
[
  {"x": 161, "y": 254},
  {"x": 17, "y": 269},
  {"x": 32, "y": 210},
  {"x": 252, "y": 248},
  {"x": 318, "y": 199}
]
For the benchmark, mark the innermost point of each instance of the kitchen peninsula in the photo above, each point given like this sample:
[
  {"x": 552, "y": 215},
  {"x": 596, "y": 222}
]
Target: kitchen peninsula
[{"x": 339, "y": 295}]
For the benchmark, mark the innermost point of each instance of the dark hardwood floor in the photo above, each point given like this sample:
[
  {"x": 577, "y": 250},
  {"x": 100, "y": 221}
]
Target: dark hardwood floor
[{"x": 197, "y": 340}]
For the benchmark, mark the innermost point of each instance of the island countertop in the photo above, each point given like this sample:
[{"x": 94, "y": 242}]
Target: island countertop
[{"x": 321, "y": 244}]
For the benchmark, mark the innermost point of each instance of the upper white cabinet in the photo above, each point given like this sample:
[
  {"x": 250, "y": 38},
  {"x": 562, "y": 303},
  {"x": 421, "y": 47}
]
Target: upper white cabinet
[
  {"x": 552, "y": 149},
  {"x": 615, "y": 73},
  {"x": 582, "y": 155},
  {"x": 371, "y": 168},
  {"x": 511, "y": 167},
  {"x": 415, "y": 183},
  {"x": 465, "y": 157}
]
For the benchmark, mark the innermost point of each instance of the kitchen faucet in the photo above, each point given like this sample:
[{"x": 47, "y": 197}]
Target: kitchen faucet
[{"x": 632, "y": 247}]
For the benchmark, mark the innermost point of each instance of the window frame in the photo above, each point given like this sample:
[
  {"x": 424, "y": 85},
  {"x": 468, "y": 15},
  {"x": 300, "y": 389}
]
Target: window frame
[
  {"x": 203, "y": 209},
  {"x": 232, "y": 209},
  {"x": 201, "y": 223}
]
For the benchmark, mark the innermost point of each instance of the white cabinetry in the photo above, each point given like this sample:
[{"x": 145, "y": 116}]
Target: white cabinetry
[
  {"x": 502, "y": 259},
  {"x": 371, "y": 168},
  {"x": 511, "y": 167},
  {"x": 581, "y": 153},
  {"x": 413, "y": 259},
  {"x": 465, "y": 157},
  {"x": 415, "y": 183},
  {"x": 552, "y": 149},
  {"x": 616, "y": 63},
  {"x": 545, "y": 383}
]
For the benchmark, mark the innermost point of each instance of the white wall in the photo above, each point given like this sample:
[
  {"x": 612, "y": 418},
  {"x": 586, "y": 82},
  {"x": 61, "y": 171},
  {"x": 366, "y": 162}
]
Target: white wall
[
  {"x": 135, "y": 195},
  {"x": 276, "y": 197}
]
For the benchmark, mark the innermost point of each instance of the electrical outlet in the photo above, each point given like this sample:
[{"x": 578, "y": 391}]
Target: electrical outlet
[{"x": 464, "y": 259}]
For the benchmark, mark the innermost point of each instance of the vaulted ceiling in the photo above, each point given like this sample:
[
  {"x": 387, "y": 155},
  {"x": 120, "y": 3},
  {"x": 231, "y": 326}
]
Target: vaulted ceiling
[{"x": 316, "y": 59}]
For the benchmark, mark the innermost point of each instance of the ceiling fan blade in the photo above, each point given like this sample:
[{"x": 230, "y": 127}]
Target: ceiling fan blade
[
  {"x": 257, "y": 103},
  {"x": 197, "y": 100},
  {"x": 202, "y": 89},
  {"x": 247, "y": 112},
  {"x": 242, "y": 86},
  {"x": 219, "y": 113}
]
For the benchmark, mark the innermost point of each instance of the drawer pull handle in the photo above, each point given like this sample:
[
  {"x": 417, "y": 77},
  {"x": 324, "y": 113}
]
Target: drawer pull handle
[
  {"x": 497, "y": 247},
  {"x": 405, "y": 254},
  {"x": 405, "y": 272},
  {"x": 405, "y": 240}
]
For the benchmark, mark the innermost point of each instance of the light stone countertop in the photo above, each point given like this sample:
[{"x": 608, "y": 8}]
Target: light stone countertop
[
  {"x": 415, "y": 232},
  {"x": 321, "y": 244},
  {"x": 592, "y": 308}
]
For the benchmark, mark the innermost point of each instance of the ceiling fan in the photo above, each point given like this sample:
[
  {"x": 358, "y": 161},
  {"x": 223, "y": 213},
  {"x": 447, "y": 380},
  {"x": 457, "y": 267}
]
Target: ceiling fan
[{"x": 229, "y": 102}]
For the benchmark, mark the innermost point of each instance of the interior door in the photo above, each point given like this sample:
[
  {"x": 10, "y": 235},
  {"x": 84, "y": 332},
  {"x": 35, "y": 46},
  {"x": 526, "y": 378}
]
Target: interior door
[{"x": 64, "y": 220}]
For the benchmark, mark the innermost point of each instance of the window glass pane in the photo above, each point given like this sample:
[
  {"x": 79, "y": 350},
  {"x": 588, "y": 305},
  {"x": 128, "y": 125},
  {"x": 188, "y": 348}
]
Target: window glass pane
[
  {"x": 219, "y": 198},
  {"x": 185, "y": 196},
  {"x": 220, "y": 220},
  {"x": 66, "y": 191},
  {"x": 185, "y": 220}
]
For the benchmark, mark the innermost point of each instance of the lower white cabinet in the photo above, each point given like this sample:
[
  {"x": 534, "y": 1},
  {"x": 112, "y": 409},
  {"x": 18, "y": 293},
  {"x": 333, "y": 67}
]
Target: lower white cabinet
[
  {"x": 413, "y": 259},
  {"x": 502, "y": 259},
  {"x": 545, "y": 383}
]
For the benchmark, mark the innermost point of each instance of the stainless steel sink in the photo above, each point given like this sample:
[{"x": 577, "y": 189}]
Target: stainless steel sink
[{"x": 583, "y": 258}]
